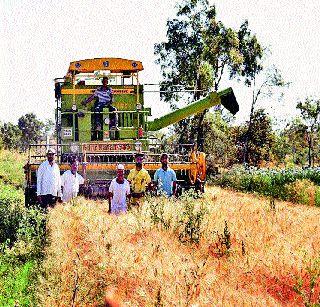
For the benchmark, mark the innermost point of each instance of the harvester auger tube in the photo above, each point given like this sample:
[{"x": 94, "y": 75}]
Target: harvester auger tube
[{"x": 225, "y": 97}]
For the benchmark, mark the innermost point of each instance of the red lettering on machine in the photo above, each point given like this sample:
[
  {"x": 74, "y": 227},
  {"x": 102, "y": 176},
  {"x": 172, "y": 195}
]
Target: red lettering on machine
[{"x": 102, "y": 147}]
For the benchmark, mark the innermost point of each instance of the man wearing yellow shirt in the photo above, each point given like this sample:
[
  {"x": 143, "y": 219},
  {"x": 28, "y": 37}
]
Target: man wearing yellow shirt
[{"x": 139, "y": 179}]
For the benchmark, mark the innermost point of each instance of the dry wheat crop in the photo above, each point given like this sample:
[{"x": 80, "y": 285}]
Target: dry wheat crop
[{"x": 243, "y": 252}]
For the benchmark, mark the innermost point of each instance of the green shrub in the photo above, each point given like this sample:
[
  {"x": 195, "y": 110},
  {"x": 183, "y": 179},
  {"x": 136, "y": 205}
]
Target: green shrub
[
  {"x": 184, "y": 216},
  {"x": 20, "y": 224},
  {"x": 276, "y": 184},
  {"x": 11, "y": 212},
  {"x": 191, "y": 218},
  {"x": 22, "y": 236},
  {"x": 301, "y": 191}
]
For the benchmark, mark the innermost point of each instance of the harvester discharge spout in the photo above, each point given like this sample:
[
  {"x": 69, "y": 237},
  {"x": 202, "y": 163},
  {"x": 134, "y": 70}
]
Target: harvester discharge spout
[{"x": 225, "y": 97}]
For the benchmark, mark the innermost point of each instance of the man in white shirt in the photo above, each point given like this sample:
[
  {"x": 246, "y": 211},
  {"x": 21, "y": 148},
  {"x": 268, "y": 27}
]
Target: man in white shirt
[
  {"x": 119, "y": 191},
  {"x": 71, "y": 180},
  {"x": 48, "y": 181}
]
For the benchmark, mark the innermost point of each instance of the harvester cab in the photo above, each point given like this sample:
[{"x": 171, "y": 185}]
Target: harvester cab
[{"x": 101, "y": 147}]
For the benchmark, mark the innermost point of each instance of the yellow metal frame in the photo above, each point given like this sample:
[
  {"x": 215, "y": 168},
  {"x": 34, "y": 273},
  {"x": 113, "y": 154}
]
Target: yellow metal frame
[
  {"x": 112, "y": 64},
  {"x": 88, "y": 91}
]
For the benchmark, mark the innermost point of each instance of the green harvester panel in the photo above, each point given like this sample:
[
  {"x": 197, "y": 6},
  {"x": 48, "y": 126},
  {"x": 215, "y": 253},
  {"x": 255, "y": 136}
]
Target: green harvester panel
[
  {"x": 128, "y": 133},
  {"x": 125, "y": 102},
  {"x": 84, "y": 128},
  {"x": 128, "y": 121}
]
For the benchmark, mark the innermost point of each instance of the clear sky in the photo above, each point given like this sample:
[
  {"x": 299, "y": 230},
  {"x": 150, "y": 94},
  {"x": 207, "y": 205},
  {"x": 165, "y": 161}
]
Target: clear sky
[{"x": 40, "y": 38}]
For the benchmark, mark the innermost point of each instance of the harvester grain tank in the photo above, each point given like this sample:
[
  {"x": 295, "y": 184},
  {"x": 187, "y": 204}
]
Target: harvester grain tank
[{"x": 100, "y": 149}]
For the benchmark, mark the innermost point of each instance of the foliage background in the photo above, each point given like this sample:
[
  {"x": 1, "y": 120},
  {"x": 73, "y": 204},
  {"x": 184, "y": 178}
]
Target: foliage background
[{"x": 22, "y": 235}]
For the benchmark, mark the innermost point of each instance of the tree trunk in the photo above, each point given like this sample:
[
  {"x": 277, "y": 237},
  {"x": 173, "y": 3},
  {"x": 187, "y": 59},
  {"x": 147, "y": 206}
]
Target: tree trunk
[
  {"x": 309, "y": 156},
  {"x": 247, "y": 135},
  {"x": 199, "y": 128},
  {"x": 200, "y": 134},
  {"x": 309, "y": 150}
]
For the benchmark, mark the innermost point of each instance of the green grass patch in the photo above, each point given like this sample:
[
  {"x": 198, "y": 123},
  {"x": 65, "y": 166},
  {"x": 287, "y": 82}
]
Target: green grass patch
[
  {"x": 16, "y": 283},
  {"x": 11, "y": 168}
]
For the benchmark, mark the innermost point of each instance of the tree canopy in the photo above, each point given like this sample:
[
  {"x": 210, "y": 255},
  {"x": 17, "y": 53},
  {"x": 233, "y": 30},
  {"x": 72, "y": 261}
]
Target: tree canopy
[
  {"x": 199, "y": 50},
  {"x": 28, "y": 130},
  {"x": 310, "y": 115},
  {"x": 31, "y": 129}
]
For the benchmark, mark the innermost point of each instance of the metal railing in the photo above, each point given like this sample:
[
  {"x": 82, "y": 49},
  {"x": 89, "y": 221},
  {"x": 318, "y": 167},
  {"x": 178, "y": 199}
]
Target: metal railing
[{"x": 37, "y": 154}]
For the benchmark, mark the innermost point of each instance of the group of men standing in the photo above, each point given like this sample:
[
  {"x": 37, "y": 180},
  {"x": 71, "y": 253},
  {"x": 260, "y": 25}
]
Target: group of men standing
[{"x": 51, "y": 187}]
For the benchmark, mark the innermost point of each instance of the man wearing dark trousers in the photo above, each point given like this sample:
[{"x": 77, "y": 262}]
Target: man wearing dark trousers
[
  {"x": 48, "y": 181},
  {"x": 139, "y": 179},
  {"x": 104, "y": 97}
]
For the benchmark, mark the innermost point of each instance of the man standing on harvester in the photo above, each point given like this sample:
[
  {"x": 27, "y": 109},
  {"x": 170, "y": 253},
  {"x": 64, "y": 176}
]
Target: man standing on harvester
[
  {"x": 104, "y": 97},
  {"x": 139, "y": 179}
]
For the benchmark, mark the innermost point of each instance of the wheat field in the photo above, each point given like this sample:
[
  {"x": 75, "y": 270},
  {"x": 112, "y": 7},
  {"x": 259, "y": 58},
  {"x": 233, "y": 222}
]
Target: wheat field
[{"x": 224, "y": 249}]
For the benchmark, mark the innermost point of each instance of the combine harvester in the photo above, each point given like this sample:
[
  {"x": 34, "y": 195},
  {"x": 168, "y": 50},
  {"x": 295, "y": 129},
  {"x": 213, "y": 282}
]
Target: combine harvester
[{"x": 100, "y": 150}]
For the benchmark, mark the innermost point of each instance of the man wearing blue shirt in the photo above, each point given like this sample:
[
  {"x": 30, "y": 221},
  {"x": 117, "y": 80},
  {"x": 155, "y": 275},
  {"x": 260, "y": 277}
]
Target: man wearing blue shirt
[
  {"x": 165, "y": 177},
  {"x": 104, "y": 98}
]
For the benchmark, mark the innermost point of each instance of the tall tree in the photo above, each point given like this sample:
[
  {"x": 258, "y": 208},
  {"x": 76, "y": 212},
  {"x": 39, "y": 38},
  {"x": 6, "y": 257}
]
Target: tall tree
[
  {"x": 297, "y": 142},
  {"x": 261, "y": 138},
  {"x": 272, "y": 81},
  {"x": 310, "y": 113},
  {"x": 219, "y": 143},
  {"x": 181, "y": 58},
  {"x": 198, "y": 51},
  {"x": 31, "y": 129}
]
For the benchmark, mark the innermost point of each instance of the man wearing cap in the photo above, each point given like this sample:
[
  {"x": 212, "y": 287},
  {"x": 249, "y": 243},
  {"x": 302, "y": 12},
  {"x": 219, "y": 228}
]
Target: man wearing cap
[
  {"x": 139, "y": 179},
  {"x": 119, "y": 191},
  {"x": 165, "y": 177},
  {"x": 48, "y": 181},
  {"x": 104, "y": 97}
]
